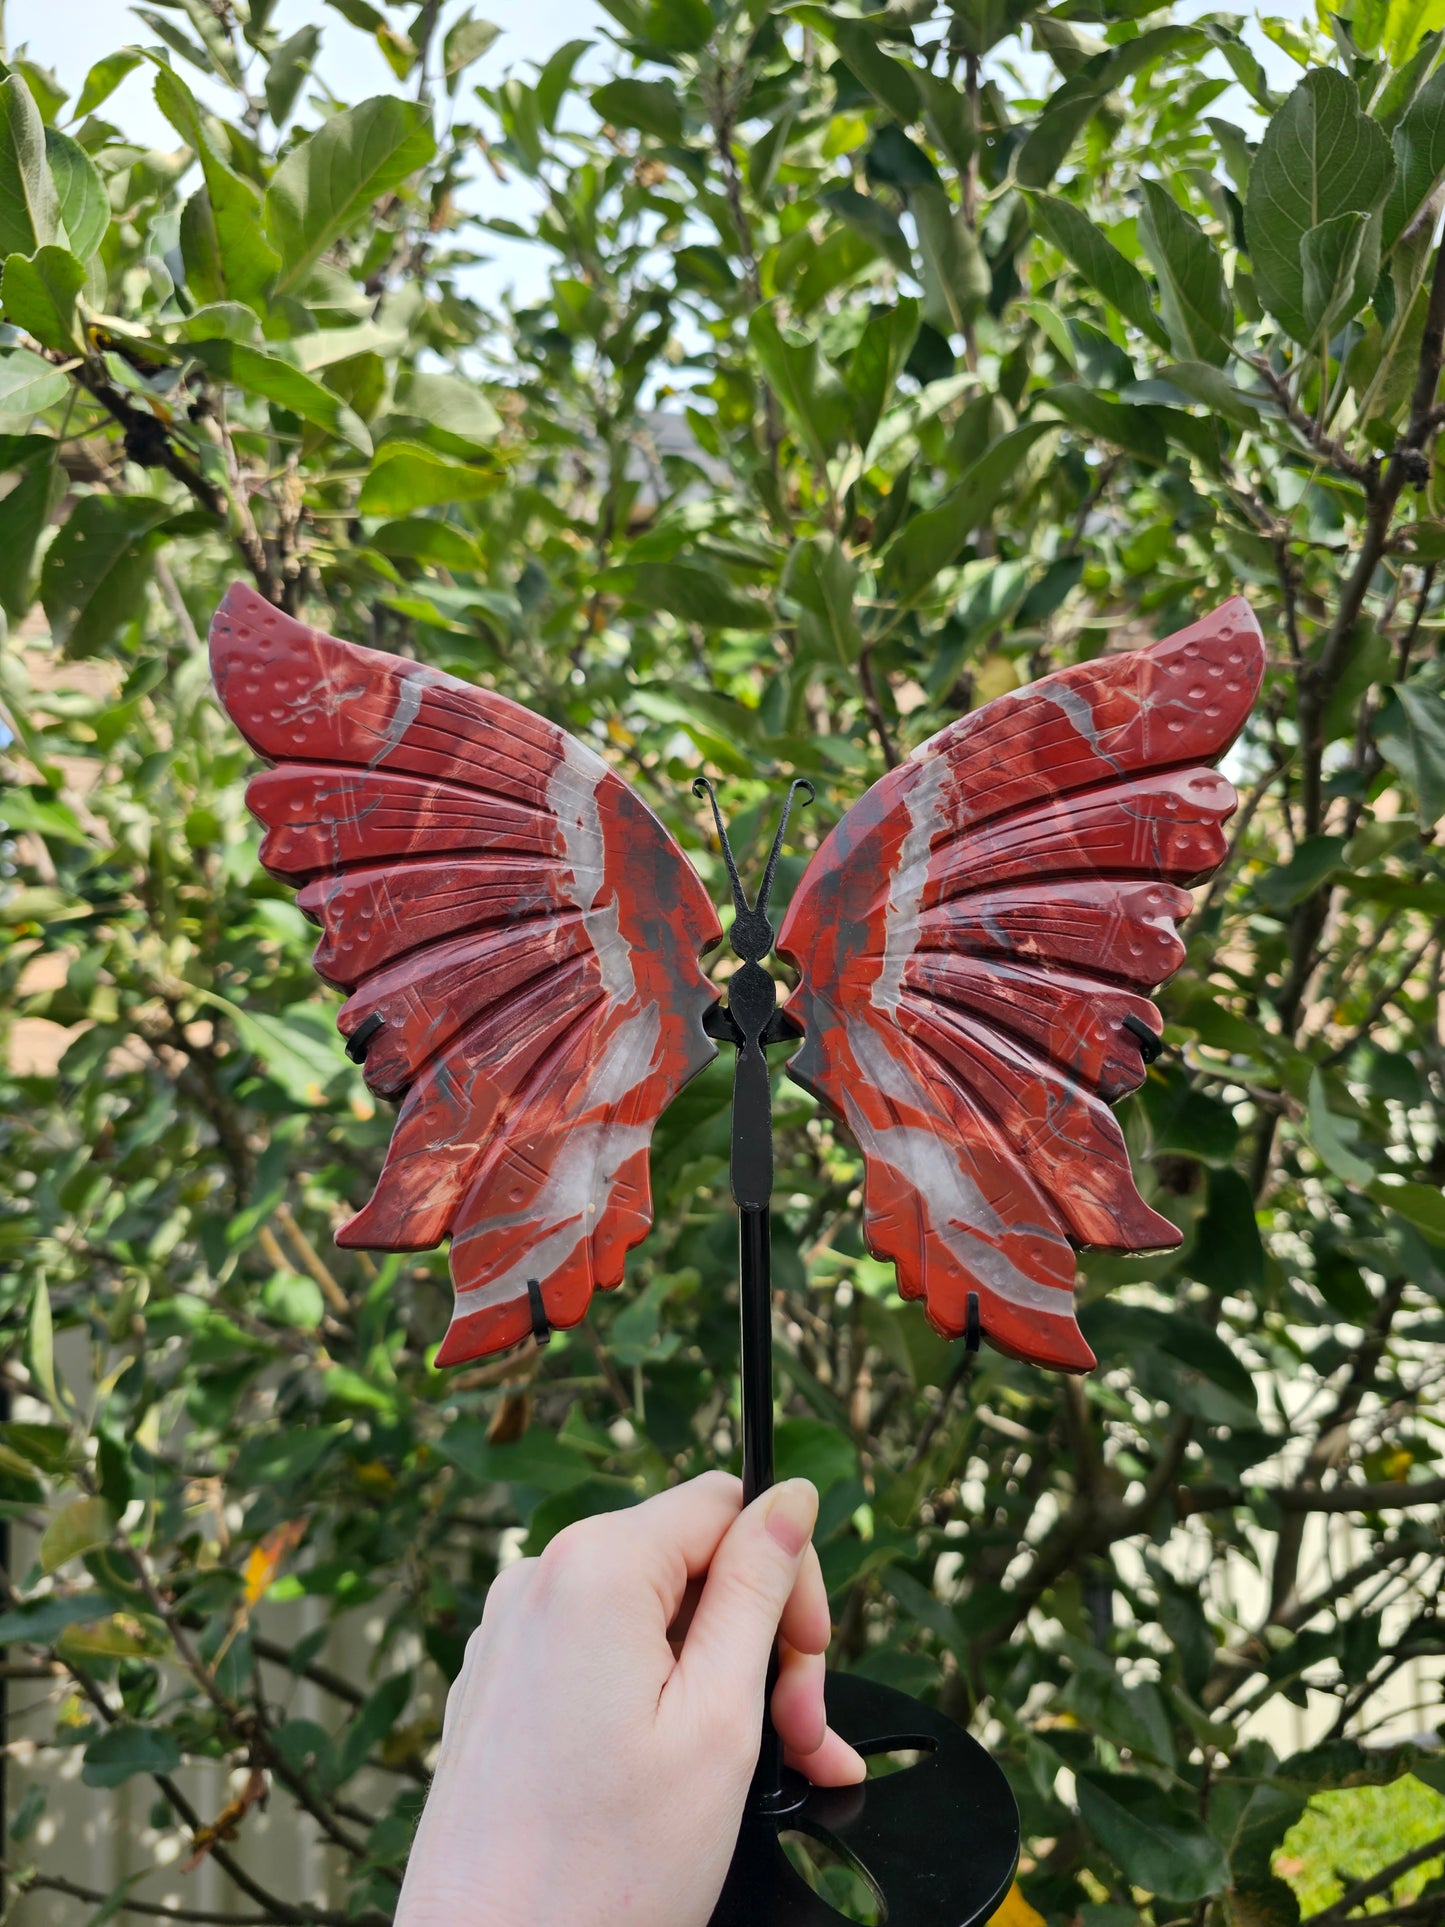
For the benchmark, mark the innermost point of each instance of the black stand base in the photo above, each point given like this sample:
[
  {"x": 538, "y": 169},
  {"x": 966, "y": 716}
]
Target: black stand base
[{"x": 938, "y": 1841}]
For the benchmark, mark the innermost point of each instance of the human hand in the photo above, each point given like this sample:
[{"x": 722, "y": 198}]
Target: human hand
[{"x": 600, "y": 1738}]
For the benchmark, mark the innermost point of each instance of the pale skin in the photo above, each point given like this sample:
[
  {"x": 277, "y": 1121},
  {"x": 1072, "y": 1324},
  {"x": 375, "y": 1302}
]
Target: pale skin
[{"x": 600, "y": 1738}]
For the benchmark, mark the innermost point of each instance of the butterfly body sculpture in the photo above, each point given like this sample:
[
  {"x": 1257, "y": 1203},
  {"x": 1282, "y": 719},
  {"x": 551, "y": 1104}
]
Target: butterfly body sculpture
[{"x": 519, "y": 937}]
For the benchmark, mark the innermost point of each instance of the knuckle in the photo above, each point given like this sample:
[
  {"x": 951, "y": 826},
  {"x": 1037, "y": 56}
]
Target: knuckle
[
  {"x": 503, "y": 1594},
  {"x": 580, "y": 1558}
]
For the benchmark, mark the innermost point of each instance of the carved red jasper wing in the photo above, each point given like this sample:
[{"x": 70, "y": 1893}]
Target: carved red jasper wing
[
  {"x": 519, "y": 936},
  {"x": 974, "y": 941}
]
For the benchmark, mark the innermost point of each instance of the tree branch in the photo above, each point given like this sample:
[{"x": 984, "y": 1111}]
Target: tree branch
[{"x": 1355, "y": 1897}]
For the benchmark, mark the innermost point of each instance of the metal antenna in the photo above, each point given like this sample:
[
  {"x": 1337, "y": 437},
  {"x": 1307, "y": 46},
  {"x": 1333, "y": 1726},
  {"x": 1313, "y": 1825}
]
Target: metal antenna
[
  {"x": 798, "y": 783},
  {"x": 703, "y": 787}
]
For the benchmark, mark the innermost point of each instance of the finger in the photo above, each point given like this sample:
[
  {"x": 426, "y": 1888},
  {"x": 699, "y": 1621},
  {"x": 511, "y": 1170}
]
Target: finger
[
  {"x": 797, "y": 1703},
  {"x": 800, "y": 1715},
  {"x": 834, "y": 1763},
  {"x": 806, "y": 1621},
  {"x": 655, "y": 1547},
  {"x": 725, "y": 1660}
]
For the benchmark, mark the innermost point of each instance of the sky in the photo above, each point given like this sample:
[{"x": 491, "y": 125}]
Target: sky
[{"x": 67, "y": 35}]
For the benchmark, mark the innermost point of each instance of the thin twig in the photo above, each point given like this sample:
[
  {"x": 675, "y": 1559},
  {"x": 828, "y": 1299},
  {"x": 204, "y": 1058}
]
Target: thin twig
[{"x": 1355, "y": 1897}]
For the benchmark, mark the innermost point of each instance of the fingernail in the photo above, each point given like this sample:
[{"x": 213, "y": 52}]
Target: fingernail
[{"x": 791, "y": 1513}]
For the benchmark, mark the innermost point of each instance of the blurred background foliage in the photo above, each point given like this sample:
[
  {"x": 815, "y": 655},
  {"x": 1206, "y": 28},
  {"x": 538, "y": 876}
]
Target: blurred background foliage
[{"x": 885, "y": 358}]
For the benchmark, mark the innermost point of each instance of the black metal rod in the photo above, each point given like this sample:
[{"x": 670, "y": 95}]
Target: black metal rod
[
  {"x": 756, "y": 1268},
  {"x": 756, "y": 1398}
]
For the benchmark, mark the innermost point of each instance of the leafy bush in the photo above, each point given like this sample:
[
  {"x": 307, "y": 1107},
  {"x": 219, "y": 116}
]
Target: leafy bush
[{"x": 864, "y": 386}]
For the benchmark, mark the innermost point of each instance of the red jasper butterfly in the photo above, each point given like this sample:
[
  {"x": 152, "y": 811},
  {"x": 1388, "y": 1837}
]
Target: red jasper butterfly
[{"x": 519, "y": 938}]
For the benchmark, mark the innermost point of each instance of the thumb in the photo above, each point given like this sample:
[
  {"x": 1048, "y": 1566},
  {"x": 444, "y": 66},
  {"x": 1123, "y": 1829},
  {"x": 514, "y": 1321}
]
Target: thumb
[{"x": 734, "y": 1630}]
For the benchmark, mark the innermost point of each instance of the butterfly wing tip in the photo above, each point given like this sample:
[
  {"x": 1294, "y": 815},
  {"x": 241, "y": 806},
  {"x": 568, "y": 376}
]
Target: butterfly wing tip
[{"x": 481, "y": 1334}]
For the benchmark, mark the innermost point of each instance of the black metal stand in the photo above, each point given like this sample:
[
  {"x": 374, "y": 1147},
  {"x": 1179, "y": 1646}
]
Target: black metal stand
[{"x": 936, "y": 1841}]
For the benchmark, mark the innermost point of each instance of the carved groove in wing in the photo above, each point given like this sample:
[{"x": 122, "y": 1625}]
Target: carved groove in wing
[
  {"x": 373, "y": 917},
  {"x": 1075, "y": 1021},
  {"x": 530, "y": 1207},
  {"x": 320, "y": 819},
  {"x": 458, "y": 1104},
  {"x": 1176, "y": 704},
  {"x": 1166, "y": 826},
  {"x": 523, "y": 927},
  {"x": 1065, "y": 1136},
  {"x": 1097, "y": 925},
  {"x": 982, "y": 922},
  {"x": 428, "y": 997},
  {"x": 982, "y": 1221}
]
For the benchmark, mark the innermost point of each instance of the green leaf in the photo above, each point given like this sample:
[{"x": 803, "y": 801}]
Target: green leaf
[
  {"x": 555, "y": 79},
  {"x": 455, "y": 407},
  {"x": 293, "y": 1300},
  {"x": 201, "y": 253},
  {"x": 1198, "y": 307},
  {"x": 951, "y": 116},
  {"x": 38, "y": 1622},
  {"x": 540, "y": 1459},
  {"x": 876, "y": 363},
  {"x": 95, "y": 572},
  {"x": 29, "y": 204},
  {"x": 371, "y": 1725},
  {"x": 420, "y": 539},
  {"x": 932, "y": 540},
  {"x": 1330, "y": 258},
  {"x": 237, "y": 261},
  {"x": 1321, "y": 159},
  {"x": 876, "y": 223},
  {"x": 1130, "y": 426},
  {"x": 648, "y": 105},
  {"x": 1046, "y": 146},
  {"x": 676, "y": 26},
  {"x": 1106, "y": 270},
  {"x": 805, "y": 382},
  {"x": 39, "y": 293},
  {"x": 1419, "y": 147},
  {"x": 328, "y": 183},
  {"x": 467, "y": 40},
  {"x": 286, "y": 72},
  {"x": 956, "y": 280},
  {"x": 1128, "y": 1716},
  {"x": 274, "y": 380},
  {"x": 122, "y": 1751},
  {"x": 25, "y": 514},
  {"x": 1314, "y": 860},
  {"x": 889, "y": 81},
  {"x": 27, "y": 386},
  {"x": 927, "y": 1608},
  {"x": 299, "y": 1059},
  {"x": 806, "y": 1448},
  {"x": 1071, "y": 106},
  {"x": 78, "y": 1527},
  {"x": 1422, "y": 1205},
  {"x": 84, "y": 204},
  {"x": 1228, "y": 1253},
  {"x": 104, "y": 77},
  {"x": 1410, "y": 730},
  {"x": 1213, "y": 390},
  {"x": 820, "y": 578},
  {"x": 407, "y": 476},
  {"x": 1158, "y": 1843},
  {"x": 1327, "y": 1135},
  {"x": 693, "y": 592}
]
